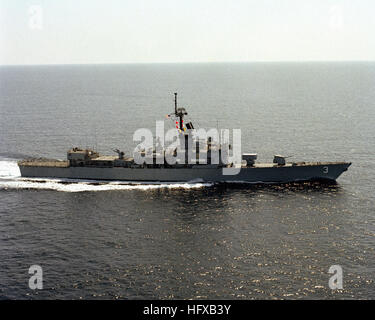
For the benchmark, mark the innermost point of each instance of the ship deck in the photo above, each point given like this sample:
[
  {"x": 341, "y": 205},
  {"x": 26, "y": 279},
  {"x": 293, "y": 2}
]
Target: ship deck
[
  {"x": 65, "y": 164},
  {"x": 293, "y": 164},
  {"x": 44, "y": 163}
]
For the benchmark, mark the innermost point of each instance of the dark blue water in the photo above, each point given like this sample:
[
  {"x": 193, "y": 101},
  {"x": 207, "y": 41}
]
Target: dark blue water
[{"x": 189, "y": 241}]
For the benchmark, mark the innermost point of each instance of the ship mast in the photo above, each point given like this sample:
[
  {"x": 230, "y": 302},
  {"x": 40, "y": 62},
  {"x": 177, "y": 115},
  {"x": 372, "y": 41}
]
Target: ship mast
[
  {"x": 179, "y": 112},
  {"x": 175, "y": 103}
]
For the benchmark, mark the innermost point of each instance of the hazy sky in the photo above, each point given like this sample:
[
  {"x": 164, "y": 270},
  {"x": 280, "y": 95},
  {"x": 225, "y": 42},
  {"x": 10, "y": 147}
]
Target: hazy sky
[{"x": 121, "y": 31}]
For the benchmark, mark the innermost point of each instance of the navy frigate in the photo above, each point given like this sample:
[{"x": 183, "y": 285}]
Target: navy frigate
[{"x": 88, "y": 164}]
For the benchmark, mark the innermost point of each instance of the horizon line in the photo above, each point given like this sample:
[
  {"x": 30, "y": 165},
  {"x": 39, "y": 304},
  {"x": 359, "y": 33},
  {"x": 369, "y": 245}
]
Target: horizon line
[{"x": 182, "y": 62}]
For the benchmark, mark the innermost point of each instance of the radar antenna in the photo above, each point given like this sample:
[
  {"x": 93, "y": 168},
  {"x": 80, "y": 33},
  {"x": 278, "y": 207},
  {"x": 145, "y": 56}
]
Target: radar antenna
[{"x": 120, "y": 153}]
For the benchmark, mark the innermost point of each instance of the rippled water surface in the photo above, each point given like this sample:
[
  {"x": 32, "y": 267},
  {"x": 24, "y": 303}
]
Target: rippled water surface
[{"x": 119, "y": 240}]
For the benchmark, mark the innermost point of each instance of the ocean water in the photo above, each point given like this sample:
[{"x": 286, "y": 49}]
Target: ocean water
[{"x": 189, "y": 241}]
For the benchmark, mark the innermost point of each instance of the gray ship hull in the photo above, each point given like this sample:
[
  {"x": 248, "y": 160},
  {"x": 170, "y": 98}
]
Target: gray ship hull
[{"x": 261, "y": 173}]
